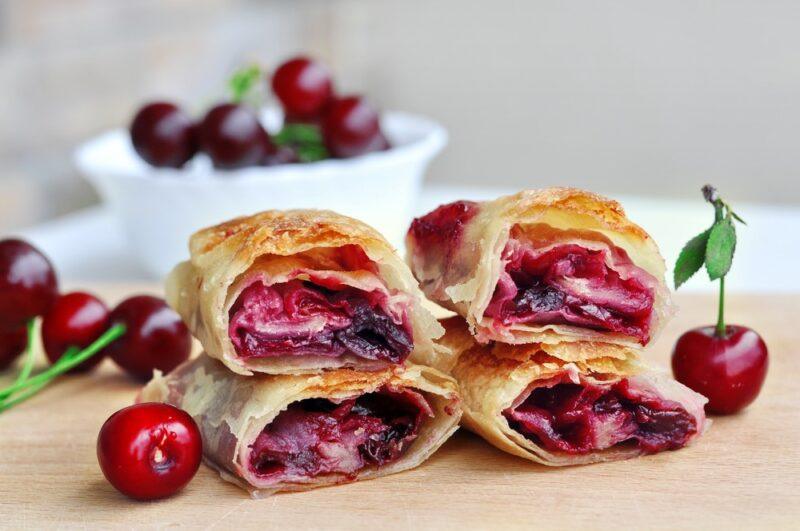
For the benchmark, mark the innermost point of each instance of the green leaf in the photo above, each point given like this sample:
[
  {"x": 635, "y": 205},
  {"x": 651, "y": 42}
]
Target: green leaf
[
  {"x": 312, "y": 153},
  {"x": 293, "y": 134},
  {"x": 242, "y": 81},
  {"x": 737, "y": 218},
  {"x": 720, "y": 248},
  {"x": 691, "y": 258}
]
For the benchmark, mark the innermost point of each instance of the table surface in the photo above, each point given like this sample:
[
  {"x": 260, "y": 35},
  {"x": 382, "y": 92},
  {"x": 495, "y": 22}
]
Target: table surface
[{"x": 745, "y": 471}]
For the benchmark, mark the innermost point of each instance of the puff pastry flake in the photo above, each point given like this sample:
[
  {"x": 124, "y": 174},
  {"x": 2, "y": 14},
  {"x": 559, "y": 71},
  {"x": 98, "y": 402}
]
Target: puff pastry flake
[{"x": 542, "y": 266}]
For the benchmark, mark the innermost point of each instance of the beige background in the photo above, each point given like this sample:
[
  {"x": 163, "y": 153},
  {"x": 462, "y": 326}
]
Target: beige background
[{"x": 643, "y": 98}]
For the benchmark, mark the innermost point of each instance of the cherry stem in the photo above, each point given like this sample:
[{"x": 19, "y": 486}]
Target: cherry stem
[
  {"x": 719, "y": 213},
  {"x": 69, "y": 360},
  {"x": 720, "y": 332},
  {"x": 30, "y": 355}
]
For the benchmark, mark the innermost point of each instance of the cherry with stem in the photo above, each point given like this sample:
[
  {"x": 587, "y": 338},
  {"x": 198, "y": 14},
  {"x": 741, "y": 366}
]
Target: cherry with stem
[{"x": 726, "y": 363}]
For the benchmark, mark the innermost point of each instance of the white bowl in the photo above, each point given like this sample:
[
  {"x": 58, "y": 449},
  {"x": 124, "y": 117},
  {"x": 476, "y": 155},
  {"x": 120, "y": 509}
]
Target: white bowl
[{"x": 159, "y": 208}]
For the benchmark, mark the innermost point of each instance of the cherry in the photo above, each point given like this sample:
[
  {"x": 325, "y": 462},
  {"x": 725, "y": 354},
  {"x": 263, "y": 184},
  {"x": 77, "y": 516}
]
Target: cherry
[
  {"x": 303, "y": 87},
  {"x": 351, "y": 127},
  {"x": 155, "y": 337},
  {"x": 149, "y": 451},
  {"x": 728, "y": 370},
  {"x": 233, "y": 137},
  {"x": 28, "y": 284},
  {"x": 163, "y": 135},
  {"x": 12, "y": 344},
  {"x": 75, "y": 320}
]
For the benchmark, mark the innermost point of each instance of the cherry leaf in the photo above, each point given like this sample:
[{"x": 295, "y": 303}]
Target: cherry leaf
[
  {"x": 719, "y": 249},
  {"x": 691, "y": 258}
]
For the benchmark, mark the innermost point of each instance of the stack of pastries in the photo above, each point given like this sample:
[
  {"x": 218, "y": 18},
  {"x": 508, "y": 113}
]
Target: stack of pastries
[
  {"x": 319, "y": 355},
  {"x": 557, "y": 294}
]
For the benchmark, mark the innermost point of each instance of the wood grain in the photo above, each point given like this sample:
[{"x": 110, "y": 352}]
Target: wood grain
[{"x": 744, "y": 473}]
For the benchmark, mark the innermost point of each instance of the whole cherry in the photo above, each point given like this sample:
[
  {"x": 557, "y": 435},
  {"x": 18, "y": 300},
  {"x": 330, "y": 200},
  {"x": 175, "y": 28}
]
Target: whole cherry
[
  {"x": 303, "y": 87},
  {"x": 12, "y": 344},
  {"x": 150, "y": 450},
  {"x": 351, "y": 127},
  {"x": 75, "y": 320},
  {"x": 155, "y": 337},
  {"x": 726, "y": 363},
  {"x": 729, "y": 369},
  {"x": 28, "y": 284},
  {"x": 163, "y": 135},
  {"x": 233, "y": 137}
]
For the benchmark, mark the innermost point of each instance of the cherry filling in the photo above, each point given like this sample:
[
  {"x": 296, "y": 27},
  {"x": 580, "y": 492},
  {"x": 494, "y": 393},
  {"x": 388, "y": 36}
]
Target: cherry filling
[
  {"x": 317, "y": 436},
  {"x": 443, "y": 228},
  {"x": 570, "y": 284},
  {"x": 581, "y": 418},
  {"x": 302, "y": 318}
]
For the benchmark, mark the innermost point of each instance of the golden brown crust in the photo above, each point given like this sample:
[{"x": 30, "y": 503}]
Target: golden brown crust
[
  {"x": 275, "y": 243},
  {"x": 610, "y": 213},
  {"x": 284, "y": 232}
]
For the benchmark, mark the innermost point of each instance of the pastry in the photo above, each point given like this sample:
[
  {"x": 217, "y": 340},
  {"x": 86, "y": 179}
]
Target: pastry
[
  {"x": 297, "y": 291},
  {"x": 270, "y": 433},
  {"x": 570, "y": 403},
  {"x": 542, "y": 266}
]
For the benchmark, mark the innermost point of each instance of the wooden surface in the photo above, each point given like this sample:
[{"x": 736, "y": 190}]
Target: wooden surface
[{"x": 744, "y": 473}]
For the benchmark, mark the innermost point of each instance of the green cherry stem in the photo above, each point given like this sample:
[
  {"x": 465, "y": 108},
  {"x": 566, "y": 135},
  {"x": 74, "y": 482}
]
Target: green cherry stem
[
  {"x": 720, "y": 331},
  {"x": 68, "y": 361}
]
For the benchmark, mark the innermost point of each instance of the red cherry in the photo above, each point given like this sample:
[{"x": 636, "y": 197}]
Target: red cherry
[
  {"x": 28, "y": 284},
  {"x": 75, "y": 320},
  {"x": 12, "y": 344},
  {"x": 303, "y": 87},
  {"x": 163, "y": 135},
  {"x": 233, "y": 137},
  {"x": 155, "y": 337},
  {"x": 728, "y": 370},
  {"x": 149, "y": 451},
  {"x": 351, "y": 127}
]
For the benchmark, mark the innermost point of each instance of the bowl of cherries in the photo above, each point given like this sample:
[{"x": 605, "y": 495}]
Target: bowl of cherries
[{"x": 171, "y": 173}]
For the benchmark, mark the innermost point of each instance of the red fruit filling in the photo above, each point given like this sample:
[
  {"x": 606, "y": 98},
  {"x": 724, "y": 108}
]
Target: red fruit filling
[
  {"x": 570, "y": 284},
  {"x": 581, "y": 418},
  {"x": 304, "y": 318},
  {"x": 442, "y": 228},
  {"x": 317, "y": 436}
]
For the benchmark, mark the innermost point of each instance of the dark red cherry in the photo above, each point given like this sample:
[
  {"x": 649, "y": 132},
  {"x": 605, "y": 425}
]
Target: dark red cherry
[
  {"x": 155, "y": 337},
  {"x": 233, "y": 137},
  {"x": 75, "y": 320},
  {"x": 728, "y": 370},
  {"x": 12, "y": 344},
  {"x": 149, "y": 451},
  {"x": 28, "y": 284},
  {"x": 163, "y": 135},
  {"x": 303, "y": 87},
  {"x": 351, "y": 127}
]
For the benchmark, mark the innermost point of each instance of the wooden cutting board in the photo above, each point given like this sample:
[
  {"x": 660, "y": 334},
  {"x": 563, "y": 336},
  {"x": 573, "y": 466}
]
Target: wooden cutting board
[{"x": 745, "y": 472}]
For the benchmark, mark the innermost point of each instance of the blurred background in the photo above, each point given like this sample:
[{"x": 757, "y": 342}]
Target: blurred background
[{"x": 630, "y": 98}]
